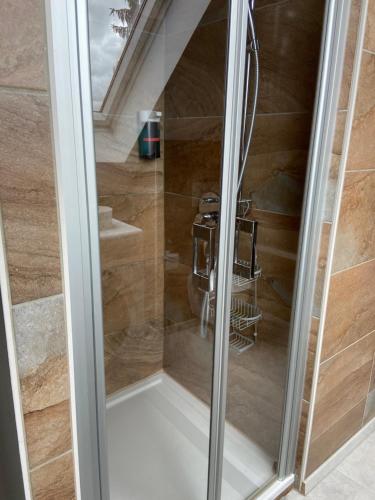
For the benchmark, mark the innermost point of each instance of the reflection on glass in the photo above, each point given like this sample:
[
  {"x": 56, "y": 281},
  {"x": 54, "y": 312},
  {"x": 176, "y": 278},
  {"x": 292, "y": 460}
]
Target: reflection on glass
[
  {"x": 110, "y": 31},
  {"x": 267, "y": 230},
  {"x": 158, "y": 99},
  {"x": 158, "y": 83}
]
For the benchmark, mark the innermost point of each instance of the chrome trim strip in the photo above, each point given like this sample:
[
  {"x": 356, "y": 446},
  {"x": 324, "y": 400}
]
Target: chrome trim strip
[
  {"x": 322, "y": 134},
  {"x": 361, "y": 31},
  {"x": 69, "y": 74},
  {"x": 230, "y": 160}
]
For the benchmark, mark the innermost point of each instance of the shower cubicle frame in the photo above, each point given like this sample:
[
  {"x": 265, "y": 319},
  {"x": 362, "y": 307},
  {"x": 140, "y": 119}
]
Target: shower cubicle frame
[{"x": 71, "y": 112}]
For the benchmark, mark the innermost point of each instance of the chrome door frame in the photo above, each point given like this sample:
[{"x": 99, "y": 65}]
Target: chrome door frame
[
  {"x": 332, "y": 55},
  {"x": 234, "y": 96}
]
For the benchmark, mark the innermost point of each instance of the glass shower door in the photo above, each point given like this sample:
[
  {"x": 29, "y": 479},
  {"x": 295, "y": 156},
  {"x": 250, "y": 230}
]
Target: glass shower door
[{"x": 158, "y": 72}]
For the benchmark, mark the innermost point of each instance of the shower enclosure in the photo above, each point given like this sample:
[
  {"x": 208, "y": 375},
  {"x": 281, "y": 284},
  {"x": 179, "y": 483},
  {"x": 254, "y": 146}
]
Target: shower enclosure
[{"x": 201, "y": 164}]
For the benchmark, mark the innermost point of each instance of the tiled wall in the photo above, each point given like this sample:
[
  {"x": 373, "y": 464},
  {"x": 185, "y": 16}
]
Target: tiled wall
[
  {"x": 274, "y": 180},
  {"x": 276, "y": 169},
  {"x": 345, "y": 390},
  {"x": 132, "y": 266},
  {"x": 194, "y": 102},
  {"x": 28, "y": 205}
]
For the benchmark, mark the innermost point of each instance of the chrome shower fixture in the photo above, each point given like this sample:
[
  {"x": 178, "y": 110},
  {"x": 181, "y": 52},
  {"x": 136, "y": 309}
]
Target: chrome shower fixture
[
  {"x": 245, "y": 313},
  {"x": 204, "y": 241}
]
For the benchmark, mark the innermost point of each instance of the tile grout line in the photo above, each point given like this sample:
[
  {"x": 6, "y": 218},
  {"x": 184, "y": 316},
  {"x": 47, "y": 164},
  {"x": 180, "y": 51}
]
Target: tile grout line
[
  {"x": 51, "y": 461},
  {"x": 372, "y": 52},
  {"x": 346, "y": 348},
  {"x": 342, "y": 416},
  {"x": 207, "y": 117},
  {"x": 336, "y": 211},
  {"x": 23, "y": 90},
  {"x": 39, "y": 300},
  {"x": 276, "y": 3},
  {"x": 353, "y": 170},
  {"x": 335, "y": 273}
]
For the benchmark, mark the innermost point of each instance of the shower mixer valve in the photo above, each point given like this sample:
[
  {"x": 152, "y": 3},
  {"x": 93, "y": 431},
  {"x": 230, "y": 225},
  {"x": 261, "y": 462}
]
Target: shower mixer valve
[{"x": 204, "y": 242}]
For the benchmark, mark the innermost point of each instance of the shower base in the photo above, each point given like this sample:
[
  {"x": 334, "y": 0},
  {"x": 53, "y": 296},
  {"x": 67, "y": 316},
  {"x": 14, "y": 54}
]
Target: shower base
[{"x": 158, "y": 446}]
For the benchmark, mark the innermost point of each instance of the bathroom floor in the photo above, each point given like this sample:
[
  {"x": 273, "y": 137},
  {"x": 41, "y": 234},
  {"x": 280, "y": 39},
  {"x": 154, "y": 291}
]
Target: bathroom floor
[
  {"x": 158, "y": 446},
  {"x": 353, "y": 479}
]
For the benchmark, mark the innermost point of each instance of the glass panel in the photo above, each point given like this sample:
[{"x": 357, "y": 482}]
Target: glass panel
[
  {"x": 287, "y": 42},
  {"x": 158, "y": 75}
]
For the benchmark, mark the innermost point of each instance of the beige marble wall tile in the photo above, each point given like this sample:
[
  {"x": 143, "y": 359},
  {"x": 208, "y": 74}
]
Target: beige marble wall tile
[
  {"x": 133, "y": 354},
  {"x": 198, "y": 128},
  {"x": 22, "y": 44},
  {"x": 118, "y": 250},
  {"x": 278, "y": 156},
  {"x": 278, "y": 272},
  {"x": 182, "y": 301},
  {"x": 132, "y": 294},
  {"x": 39, "y": 328},
  {"x": 350, "y": 311},
  {"x": 324, "y": 445},
  {"x": 355, "y": 240},
  {"x": 369, "y": 42},
  {"x": 27, "y": 164},
  {"x": 145, "y": 212},
  {"x": 133, "y": 177},
  {"x": 362, "y": 147},
  {"x": 343, "y": 383},
  {"x": 28, "y": 198},
  {"x": 55, "y": 480},
  {"x": 46, "y": 386},
  {"x": 278, "y": 233},
  {"x": 196, "y": 86},
  {"x": 48, "y": 433},
  {"x": 180, "y": 212},
  {"x": 276, "y": 168},
  {"x": 289, "y": 34},
  {"x": 192, "y": 167},
  {"x": 275, "y": 180}
]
